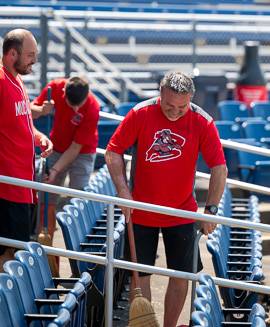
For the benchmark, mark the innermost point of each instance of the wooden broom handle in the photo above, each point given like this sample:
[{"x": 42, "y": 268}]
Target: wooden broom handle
[{"x": 133, "y": 255}]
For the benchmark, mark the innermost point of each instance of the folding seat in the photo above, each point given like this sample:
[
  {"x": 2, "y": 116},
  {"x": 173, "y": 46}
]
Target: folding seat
[
  {"x": 234, "y": 298},
  {"x": 261, "y": 109},
  {"x": 203, "y": 319},
  {"x": 106, "y": 128},
  {"x": 233, "y": 111},
  {"x": 105, "y": 172},
  {"x": 63, "y": 319},
  {"x": 123, "y": 108},
  {"x": 72, "y": 242},
  {"x": 4, "y": 311},
  {"x": 51, "y": 282},
  {"x": 257, "y": 130},
  {"x": 13, "y": 300}
]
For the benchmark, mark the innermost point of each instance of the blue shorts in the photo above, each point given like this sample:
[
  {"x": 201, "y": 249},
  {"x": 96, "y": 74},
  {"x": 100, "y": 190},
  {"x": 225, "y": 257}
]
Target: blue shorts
[{"x": 178, "y": 241}]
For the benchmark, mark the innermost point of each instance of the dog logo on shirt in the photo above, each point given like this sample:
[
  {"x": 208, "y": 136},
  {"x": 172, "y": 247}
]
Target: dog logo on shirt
[{"x": 166, "y": 146}]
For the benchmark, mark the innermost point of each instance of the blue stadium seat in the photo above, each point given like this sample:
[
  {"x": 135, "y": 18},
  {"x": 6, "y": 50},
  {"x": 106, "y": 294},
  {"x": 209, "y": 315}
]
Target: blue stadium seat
[
  {"x": 261, "y": 109},
  {"x": 63, "y": 319},
  {"x": 123, "y": 108},
  {"x": 106, "y": 129},
  {"x": 259, "y": 130},
  {"x": 229, "y": 130},
  {"x": 231, "y": 110}
]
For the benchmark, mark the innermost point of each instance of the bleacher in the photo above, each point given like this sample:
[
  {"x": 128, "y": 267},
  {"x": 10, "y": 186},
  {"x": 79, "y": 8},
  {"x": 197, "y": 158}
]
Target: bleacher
[{"x": 136, "y": 50}]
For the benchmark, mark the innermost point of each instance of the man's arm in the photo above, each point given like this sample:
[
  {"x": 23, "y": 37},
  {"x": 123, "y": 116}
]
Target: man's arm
[
  {"x": 215, "y": 191},
  {"x": 66, "y": 158},
  {"x": 43, "y": 110},
  {"x": 116, "y": 166}
]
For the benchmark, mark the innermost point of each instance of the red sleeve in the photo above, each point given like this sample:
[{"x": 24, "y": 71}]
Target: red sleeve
[
  {"x": 125, "y": 135},
  {"x": 43, "y": 95},
  {"x": 88, "y": 127},
  {"x": 211, "y": 147}
]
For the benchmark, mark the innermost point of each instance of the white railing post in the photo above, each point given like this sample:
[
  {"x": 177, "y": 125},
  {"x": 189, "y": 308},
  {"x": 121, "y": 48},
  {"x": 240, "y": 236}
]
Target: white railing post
[{"x": 109, "y": 267}]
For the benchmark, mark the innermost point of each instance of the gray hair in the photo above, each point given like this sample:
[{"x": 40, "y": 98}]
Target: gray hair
[{"x": 178, "y": 82}]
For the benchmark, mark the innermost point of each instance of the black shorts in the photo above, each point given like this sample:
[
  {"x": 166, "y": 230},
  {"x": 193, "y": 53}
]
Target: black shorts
[
  {"x": 178, "y": 241},
  {"x": 15, "y": 221}
]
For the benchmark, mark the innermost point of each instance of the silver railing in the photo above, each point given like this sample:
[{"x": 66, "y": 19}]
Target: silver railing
[{"x": 110, "y": 262}]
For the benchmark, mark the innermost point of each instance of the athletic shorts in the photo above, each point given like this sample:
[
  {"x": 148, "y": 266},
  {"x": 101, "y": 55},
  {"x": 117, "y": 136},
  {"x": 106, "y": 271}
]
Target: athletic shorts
[
  {"x": 178, "y": 242},
  {"x": 15, "y": 221},
  {"x": 79, "y": 172}
]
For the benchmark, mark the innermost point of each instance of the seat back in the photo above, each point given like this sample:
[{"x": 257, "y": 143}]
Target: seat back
[
  {"x": 31, "y": 265},
  {"x": 256, "y": 129},
  {"x": 41, "y": 256},
  {"x": 230, "y": 110},
  {"x": 123, "y": 108},
  {"x": 261, "y": 109},
  {"x": 10, "y": 291},
  {"x": 4, "y": 310},
  {"x": 71, "y": 238},
  {"x": 21, "y": 277}
]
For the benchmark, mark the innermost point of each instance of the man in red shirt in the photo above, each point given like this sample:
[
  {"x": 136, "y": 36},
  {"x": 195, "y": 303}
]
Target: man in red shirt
[
  {"x": 18, "y": 138},
  {"x": 74, "y": 134},
  {"x": 168, "y": 132}
]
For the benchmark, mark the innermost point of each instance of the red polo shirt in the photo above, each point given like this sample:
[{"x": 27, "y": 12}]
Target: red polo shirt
[
  {"x": 68, "y": 126},
  {"x": 166, "y": 157},
  {"x": 16, "y": 137}
]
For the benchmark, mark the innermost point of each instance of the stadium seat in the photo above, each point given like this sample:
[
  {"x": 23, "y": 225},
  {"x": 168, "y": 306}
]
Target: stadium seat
[
  {"x": 259, "y": 130},
  {"x": 261, "y": 109},
  {"x": 63, "y": 319},
  {"x": 123, "y": 108},
  {"x": 232, "y": 110}
]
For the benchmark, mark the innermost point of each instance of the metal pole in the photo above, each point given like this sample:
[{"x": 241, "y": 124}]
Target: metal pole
[
  {"x": 194, "y": 56},
  {"x": 67, "y": 52},
  {"x": 109, "y": 268},
  {"x": 123, "y": 96},
  {"x": 44, "y": 48}
]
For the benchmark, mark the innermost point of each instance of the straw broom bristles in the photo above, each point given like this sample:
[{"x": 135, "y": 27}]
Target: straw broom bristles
[{"x": 141, "y": 312}]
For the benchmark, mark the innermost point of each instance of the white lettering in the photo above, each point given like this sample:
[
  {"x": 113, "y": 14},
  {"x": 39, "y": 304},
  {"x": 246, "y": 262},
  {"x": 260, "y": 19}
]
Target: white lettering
[{"x": 22, "y": 108}]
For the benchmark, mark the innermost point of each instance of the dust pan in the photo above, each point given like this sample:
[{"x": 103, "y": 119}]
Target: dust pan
[{"x": 141, "y": 312}]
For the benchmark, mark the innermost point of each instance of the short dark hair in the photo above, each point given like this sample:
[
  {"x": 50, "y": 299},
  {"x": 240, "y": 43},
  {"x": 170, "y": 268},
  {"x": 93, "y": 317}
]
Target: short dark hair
[
  {"x": 76, "y": 90},
  {"x": 13, "y": 40}
]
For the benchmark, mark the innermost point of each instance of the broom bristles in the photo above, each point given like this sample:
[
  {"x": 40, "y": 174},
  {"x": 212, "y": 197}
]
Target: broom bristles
[{"x": 141, "y": 312}]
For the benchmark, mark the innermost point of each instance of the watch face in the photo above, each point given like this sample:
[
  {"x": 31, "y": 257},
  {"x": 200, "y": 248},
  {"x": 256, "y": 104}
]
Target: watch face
[{"x": 213, "y": 209}]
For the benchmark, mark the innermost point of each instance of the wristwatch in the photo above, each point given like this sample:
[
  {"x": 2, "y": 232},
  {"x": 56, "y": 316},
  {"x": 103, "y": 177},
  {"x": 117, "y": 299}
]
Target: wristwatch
[{"x": 213, "y": 209}]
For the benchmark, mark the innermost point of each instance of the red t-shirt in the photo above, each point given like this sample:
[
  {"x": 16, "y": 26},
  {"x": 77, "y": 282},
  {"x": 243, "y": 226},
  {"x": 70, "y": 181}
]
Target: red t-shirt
[
  {"x": 166, "y": 156},
  {"x": 16, "y": 137},
  {"x": 68, "y": 126}
]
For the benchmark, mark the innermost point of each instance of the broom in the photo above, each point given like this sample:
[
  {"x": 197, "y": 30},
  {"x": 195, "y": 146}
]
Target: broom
[
  {"x": 141, "y": 312},
  {"x": 44, "y": 237}
]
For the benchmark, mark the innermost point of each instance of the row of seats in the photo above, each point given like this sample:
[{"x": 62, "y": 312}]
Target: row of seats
[
  {"x": 29, "y": 295},
  {"x": 239, "y": 111},
  {"x": 209, "y": 312},
  {"x": 83, "y": 225},
  {"x": 237, "y": 252},
  {"x": 236, "y": 255},
  {"x": 250, "y": 126}
]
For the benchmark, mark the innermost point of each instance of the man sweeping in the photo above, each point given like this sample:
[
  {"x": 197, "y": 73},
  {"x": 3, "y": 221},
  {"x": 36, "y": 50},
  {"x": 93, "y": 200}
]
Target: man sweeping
[{"x": 168, "y": 132}]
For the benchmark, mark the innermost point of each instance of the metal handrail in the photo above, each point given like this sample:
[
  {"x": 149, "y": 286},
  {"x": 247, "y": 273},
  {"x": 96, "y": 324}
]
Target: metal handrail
[
  {"x": 135, "y": 204},
  {"x": 138, "y": 267},
  {"x": 110, "y": 262}
]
